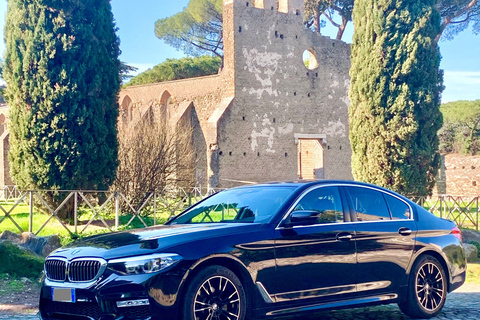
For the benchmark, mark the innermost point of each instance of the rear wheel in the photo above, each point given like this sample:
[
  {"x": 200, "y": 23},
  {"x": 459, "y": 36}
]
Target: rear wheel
[
  {"x": 427, "y": 289},
  {"x": 216, "y": 293}
]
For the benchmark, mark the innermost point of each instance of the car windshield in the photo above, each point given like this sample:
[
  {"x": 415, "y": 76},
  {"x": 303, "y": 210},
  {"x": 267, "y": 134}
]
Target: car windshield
[{"x": 239, "y": 205}]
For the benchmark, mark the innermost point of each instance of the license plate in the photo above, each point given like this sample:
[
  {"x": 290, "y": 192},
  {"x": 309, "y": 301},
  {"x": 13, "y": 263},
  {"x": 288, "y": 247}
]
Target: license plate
[{"x": 63, "y": 295}]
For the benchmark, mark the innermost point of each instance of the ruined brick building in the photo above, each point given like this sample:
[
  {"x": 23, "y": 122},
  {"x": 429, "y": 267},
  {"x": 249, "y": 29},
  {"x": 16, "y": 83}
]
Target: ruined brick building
[{"x": 267, "y": 115}]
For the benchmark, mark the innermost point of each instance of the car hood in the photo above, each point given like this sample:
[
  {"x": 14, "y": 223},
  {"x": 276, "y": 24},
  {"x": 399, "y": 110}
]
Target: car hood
[{"x": 149, "y": 240}]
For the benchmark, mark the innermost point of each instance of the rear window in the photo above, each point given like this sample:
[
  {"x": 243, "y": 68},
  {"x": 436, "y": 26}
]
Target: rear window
[{"x": 399, "y": 209}]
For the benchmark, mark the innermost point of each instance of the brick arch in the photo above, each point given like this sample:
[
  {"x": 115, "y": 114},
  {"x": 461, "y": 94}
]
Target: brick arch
[
  {"x": 126, "y": 109},
  {"x": 165, "y": 99}
]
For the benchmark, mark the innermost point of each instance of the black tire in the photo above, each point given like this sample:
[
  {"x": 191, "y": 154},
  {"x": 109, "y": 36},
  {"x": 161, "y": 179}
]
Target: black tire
[
  {"x": 215, "y": 293},
  {"x": 427, "y": 289}
]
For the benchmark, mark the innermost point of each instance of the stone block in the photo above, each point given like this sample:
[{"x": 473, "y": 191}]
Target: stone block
[
  {"x": 471, "y": 252},
  {"x": 42, "y": 246}
]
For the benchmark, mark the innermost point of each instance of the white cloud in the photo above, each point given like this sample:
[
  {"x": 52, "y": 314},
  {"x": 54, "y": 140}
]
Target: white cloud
[{"x": 461, "y": 85}]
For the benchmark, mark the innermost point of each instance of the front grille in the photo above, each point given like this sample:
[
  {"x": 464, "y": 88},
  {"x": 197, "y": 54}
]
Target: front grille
[
  {"x": 56, "y": 269},
  {"x": 83, "y": 270},
  {"x": 87, "y": 309},
  {"x": 80, "y": 270}
]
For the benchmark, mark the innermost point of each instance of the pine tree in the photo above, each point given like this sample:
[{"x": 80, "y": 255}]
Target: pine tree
[
  {"x": 62, "y": 71},
  {"x": 395, "y": 94}
]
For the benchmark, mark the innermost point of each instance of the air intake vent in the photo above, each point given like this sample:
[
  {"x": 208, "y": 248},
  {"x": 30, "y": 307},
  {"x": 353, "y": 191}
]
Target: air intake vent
[{"x": 56, "y": 269}]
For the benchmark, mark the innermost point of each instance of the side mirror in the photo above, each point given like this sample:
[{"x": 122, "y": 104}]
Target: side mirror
[{"x": 302, "y": 218}]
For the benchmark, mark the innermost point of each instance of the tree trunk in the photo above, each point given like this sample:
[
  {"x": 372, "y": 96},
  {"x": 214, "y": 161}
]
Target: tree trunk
[
  {"x": 341, "y": 29},
  {"x": 316, "y": 22}
]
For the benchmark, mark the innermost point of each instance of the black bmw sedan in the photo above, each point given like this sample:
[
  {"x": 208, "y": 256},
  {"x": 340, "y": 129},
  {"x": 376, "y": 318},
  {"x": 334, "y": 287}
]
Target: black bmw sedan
[{"x": 263, "y": 251}]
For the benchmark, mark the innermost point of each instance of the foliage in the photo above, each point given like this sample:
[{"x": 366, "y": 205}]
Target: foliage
[
  {"x": 198, "y": 28},
  {"x": 195, "y": 30},
  {"x": 331, "y": 10},
  {"x": 176, "y": 69},
  {"x": 395, "y": 94},
  {"x": 461, "y": 129},
  {"x": 18, "y": 262},
  {"x": 62, "y": 70},
  {"x": 125, "y": 71},
  {"x": 150, "y": 162},
  {"x": 457, "y": 16}
]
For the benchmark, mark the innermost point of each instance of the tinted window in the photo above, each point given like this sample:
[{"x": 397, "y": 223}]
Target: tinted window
[
  {"x": 368, "y": 204},
  {"x": 326, "y": 201},
  {"x": 398, "y": 208},
  {"x": 252, "y": 204}
]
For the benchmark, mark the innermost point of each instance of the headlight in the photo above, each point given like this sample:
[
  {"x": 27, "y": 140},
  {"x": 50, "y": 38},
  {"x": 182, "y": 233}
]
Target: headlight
[{"x": 144, "y": 264}]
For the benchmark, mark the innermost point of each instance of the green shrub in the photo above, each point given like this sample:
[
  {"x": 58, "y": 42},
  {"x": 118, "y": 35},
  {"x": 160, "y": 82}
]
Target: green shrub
[{"x": 18, "y": 262}]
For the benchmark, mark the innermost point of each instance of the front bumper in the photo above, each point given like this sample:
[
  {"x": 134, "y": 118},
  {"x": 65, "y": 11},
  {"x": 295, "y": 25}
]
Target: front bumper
[{"x": 114, "y": 297}]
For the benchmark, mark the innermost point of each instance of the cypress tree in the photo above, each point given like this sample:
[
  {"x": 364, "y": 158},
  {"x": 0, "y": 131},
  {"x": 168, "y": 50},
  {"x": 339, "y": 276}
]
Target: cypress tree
[
  {"x": 395, "y": 94},
  {"x": 62, "y": 71}
]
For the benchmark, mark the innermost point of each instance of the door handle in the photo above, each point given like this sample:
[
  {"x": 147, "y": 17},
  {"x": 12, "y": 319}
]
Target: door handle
[
  {"x": 344, "y": 237},
  {"x": 405, "y": 231}
]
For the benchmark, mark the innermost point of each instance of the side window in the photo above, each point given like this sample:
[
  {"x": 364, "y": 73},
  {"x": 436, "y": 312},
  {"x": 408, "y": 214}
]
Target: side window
[
  {"x": 368, "y": 204},
  {"x": 326, "y": 201},
  {"x": 398, "y": 209}
]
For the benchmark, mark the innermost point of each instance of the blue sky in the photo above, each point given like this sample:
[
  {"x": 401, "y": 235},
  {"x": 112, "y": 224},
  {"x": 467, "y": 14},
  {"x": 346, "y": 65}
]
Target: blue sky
[{"x": 140, "y": 47}]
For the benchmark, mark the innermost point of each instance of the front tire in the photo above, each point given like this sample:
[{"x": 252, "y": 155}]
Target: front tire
[
  {"x": 216, "y": 293},
  {"x": 427, "y": 289}
]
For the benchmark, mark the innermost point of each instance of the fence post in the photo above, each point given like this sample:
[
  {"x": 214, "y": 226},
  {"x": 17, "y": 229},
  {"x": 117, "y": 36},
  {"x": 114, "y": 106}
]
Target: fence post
[
  {"x": 441, "y": 206},
  {"x": 75, "y": 212},
  {"x": 477, "y": 215},
  {"x": 30, "y": 222},
  {"x": 117, "y": 210},
  {"x": 155, "y": 208}
]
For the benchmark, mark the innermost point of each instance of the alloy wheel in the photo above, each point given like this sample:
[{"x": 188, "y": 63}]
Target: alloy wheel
[
  {"x": 217, "y": 299},
  {"x": 430, "y": 286}
]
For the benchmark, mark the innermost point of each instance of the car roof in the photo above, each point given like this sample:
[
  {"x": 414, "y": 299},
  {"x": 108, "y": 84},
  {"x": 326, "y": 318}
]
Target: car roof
[{"x": 302, "y": 185}]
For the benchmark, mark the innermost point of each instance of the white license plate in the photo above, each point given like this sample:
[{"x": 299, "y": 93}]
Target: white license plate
[{"x": 63, "y": 295}]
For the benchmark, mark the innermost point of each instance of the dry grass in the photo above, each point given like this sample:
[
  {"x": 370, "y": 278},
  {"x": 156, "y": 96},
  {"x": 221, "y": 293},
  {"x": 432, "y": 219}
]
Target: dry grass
[{"x": 473, "y": 273}]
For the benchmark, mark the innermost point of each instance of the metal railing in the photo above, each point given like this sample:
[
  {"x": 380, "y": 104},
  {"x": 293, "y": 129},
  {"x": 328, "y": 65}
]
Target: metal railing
[
  {"x": 81, "y": 203},
  {"x": 465, "y": 211},
  {"x": 157, "y": 207}
]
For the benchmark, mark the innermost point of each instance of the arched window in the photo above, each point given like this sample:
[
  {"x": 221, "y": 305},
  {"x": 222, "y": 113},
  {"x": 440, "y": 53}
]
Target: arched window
[
  {"x": 126, "y": 109},
  {"x": 165, "y": 99}
]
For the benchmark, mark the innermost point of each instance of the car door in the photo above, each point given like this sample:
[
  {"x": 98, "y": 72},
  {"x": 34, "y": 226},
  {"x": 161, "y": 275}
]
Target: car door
[
  {"x": 315, "y": 259},
  {"x": 385, "y": 233}
]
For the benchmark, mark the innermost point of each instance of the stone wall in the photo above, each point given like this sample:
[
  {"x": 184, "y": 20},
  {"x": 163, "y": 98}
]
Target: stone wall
[
  {"x": 277, "y": 97},
  {"x": 462, "y": 175},
  {"x": 254, "y": 115}
]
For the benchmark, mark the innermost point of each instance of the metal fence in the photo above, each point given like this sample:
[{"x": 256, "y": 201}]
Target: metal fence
[
  {"x": 155, "y": 208},
  {"x": 464, "y": 210},
  {"x": 115, "y": 211}
]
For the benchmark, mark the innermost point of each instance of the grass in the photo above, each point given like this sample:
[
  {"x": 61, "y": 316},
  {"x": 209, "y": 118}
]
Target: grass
[
  {"x": 19, "y": 263},
  {"x": 473, "y": 273},
  {"x": 21, "y": 214},
  {"x": 13, "y": 284},
  {"x": 451, "y": 211}
]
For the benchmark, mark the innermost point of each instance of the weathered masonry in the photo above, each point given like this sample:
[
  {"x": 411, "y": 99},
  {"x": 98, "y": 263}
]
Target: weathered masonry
[{"x": 267, "y": 115}]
